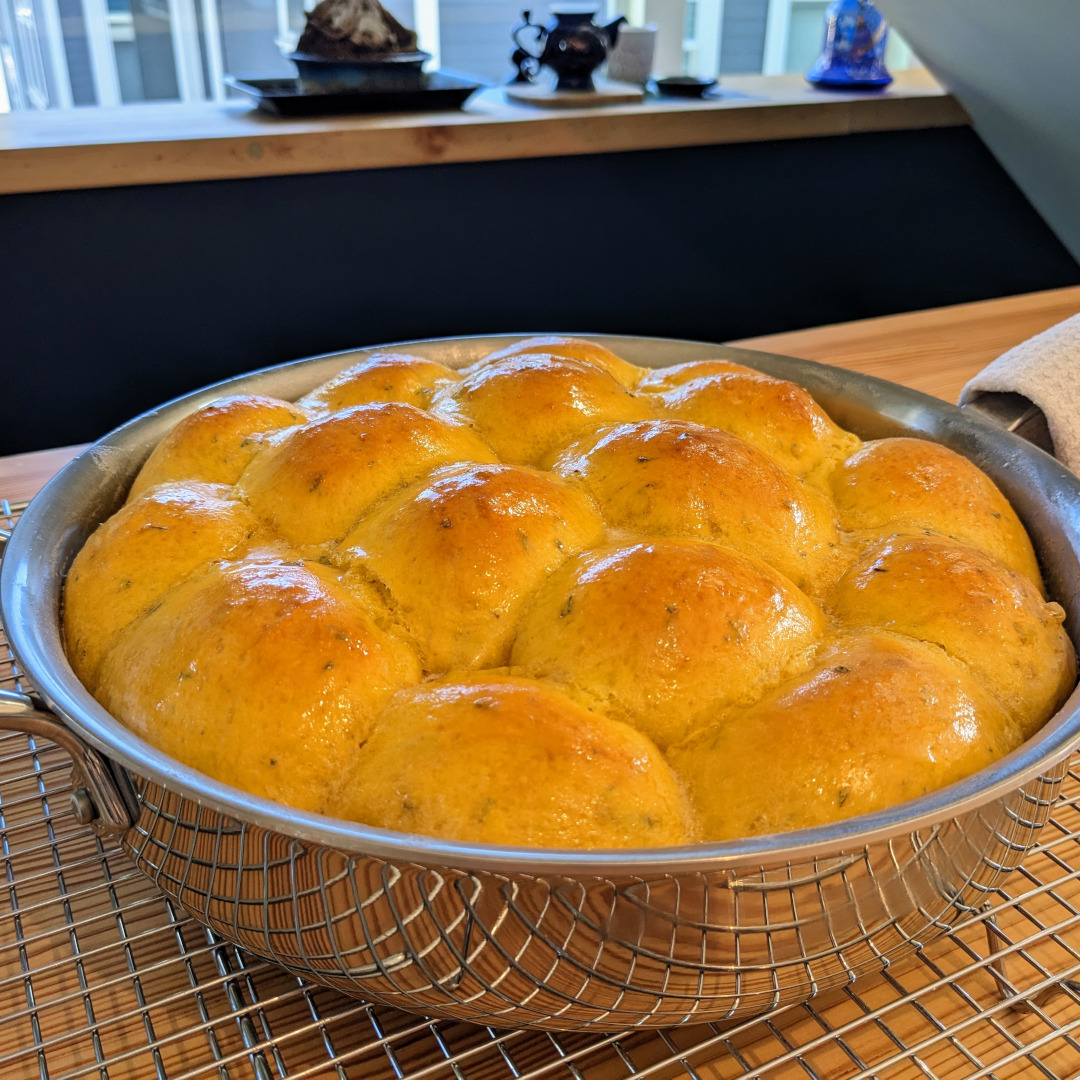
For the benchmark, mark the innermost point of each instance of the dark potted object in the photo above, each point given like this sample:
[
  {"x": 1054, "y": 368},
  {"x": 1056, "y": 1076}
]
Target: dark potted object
[
  {"x": 357, "y": 45},
  {"x": 573, "y": 45}
]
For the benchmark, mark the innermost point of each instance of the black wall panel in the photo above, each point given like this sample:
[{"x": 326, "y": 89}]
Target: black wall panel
[{"x": 114, "y": 300}]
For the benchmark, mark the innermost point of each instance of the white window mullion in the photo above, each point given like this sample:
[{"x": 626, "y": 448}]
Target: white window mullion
[
  {"x": 102, "y": 52},
  {"x": 184, "y": 31},
  {"x": 12, "y": 73},
  {"x": 710, "y": 23},
  {"x": 215, "y": 56},
  {"x": 286, "y": 36},
  {"x": 777, "y": 26},
  {"x": 428, "y": 31},
  {"x": 53, "y": 33}
]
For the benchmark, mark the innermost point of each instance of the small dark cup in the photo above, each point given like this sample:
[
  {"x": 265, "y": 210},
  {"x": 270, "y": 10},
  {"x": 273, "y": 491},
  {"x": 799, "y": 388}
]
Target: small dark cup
[{"x": 684, "y": 86}]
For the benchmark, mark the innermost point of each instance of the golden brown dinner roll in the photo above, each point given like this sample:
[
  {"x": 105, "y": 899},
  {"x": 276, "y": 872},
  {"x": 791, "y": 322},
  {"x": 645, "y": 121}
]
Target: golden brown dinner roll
[
  {"x": 215, "y": 443},
  {"x": 674, "y": 478},
  {"x": 461, "y": 552},
  {"x": 913, "y": 484},
  {"x": 311, "y": 484},
  {"x": 658, "y": 380},
  {"x": 643, "y": 552},
  {"x": 879, "y": 720},
  {"x": 383, "y": 376},
  {"x": 774, "y": 415},
  {"x": 528, "y": 407},
  {"x": 264, "y": 674},
  {"x": 501, "y": 760},
  {"x": 570, "y": 348},
  {"x": 666, "y": 633},
  {"x": 131, "y": 561},
  {"x": 976, "y": 608}
]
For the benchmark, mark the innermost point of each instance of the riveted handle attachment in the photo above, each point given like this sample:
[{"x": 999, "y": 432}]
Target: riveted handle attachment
[
  {"x": 102, "y": 794},
  {"x": 1015, "y": 413}
]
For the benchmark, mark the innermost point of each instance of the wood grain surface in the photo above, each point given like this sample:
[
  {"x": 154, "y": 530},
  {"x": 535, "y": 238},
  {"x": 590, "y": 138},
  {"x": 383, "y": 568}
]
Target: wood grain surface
[
  {"x": 935, "y": 351},
  {"x": 56, "y": 150}
]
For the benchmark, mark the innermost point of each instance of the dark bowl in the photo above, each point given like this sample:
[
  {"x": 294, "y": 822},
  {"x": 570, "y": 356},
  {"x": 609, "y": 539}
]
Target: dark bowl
[
  {"x": 686, "y": 86},
  {"x": 394, "y": 71}
]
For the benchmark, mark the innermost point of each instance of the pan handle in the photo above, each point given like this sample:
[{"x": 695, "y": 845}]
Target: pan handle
[
  {"x": 102, "y": 796},
  {"x": 1015, "y": 413}
]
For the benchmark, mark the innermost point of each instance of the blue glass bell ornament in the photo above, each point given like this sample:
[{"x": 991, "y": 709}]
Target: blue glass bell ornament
[{"x": 854, "y": 51}]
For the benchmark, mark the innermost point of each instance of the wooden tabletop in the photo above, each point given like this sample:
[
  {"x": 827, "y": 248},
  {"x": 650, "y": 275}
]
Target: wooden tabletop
[
  {"x": 935, "y": 351},
  {"x": 157, "y": 143}
]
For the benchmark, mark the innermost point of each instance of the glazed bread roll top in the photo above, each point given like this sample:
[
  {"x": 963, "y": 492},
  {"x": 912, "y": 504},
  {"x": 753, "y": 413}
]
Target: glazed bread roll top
[
  {"x": 263, "y": 674},
  {"x": 666, "y": 634},
  {"x": 973, "y": 606},
  {"x": 673, "y": 478},
  {"x": 382, "y": 376},
  {"x": 139, "y": 554},
  {"x": 879, "y": 720},
  {"x": 776, "y": 416},
  {"x": 568, "y": 348},
  {"x": 463, "y": 551},
  {"x": 501, "y": 760},
  {"x": 662, "y": 379},
  {"x": 217, "y": 442},
  {"x": 529, "y": 407},
  {"x": 915, "y": 485},
  {"x": 311, "y": 484}
]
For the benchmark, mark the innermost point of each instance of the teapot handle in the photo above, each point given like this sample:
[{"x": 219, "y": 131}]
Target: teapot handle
[
  {"x": 541, "y": 33},
  {"x": 1015, "y": 413}
]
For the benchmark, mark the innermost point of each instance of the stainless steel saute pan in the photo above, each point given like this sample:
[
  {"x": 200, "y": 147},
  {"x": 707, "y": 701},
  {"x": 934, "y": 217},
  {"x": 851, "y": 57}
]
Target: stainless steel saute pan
[{"x": 560, "y": 939}]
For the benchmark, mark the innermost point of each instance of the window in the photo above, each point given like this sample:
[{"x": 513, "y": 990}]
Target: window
[{"x": 60, "y": 53}]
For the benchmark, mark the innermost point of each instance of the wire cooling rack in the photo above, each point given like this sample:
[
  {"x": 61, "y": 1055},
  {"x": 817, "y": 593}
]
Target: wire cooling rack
[{"x": 102, "y": 977}]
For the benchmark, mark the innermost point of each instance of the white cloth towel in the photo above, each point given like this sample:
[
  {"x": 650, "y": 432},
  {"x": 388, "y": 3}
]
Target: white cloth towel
[{"x": 1046, "y": 370}]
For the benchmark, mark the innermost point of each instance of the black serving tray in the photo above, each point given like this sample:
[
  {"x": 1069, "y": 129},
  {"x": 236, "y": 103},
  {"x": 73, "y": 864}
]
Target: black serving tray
[{"x": 286, "y": 97}]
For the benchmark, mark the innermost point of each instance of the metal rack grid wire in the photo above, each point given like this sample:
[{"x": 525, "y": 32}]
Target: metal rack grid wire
[{"x": 102, "y": 977}]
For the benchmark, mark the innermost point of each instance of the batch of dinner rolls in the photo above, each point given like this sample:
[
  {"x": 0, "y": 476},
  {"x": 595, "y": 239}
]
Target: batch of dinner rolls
[{"x": 558, "y": 600}]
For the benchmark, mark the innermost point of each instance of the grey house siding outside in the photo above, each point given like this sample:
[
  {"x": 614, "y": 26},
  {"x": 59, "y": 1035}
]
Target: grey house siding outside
[
  {"x": 742, "y": 44},
  {"x": 475, "y": 34}
]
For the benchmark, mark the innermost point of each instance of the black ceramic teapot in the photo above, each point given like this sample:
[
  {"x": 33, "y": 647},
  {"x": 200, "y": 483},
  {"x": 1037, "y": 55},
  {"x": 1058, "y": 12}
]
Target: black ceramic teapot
[{"x": 573, "y": 45}]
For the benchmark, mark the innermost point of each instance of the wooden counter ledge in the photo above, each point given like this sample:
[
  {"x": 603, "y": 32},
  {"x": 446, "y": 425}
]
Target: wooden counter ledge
[{"x": 167, "y": 143}]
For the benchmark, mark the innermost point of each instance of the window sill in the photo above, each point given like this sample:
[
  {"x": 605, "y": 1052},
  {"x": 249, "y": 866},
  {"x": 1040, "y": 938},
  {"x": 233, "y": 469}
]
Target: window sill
[{"x": 171, "y": 143}]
